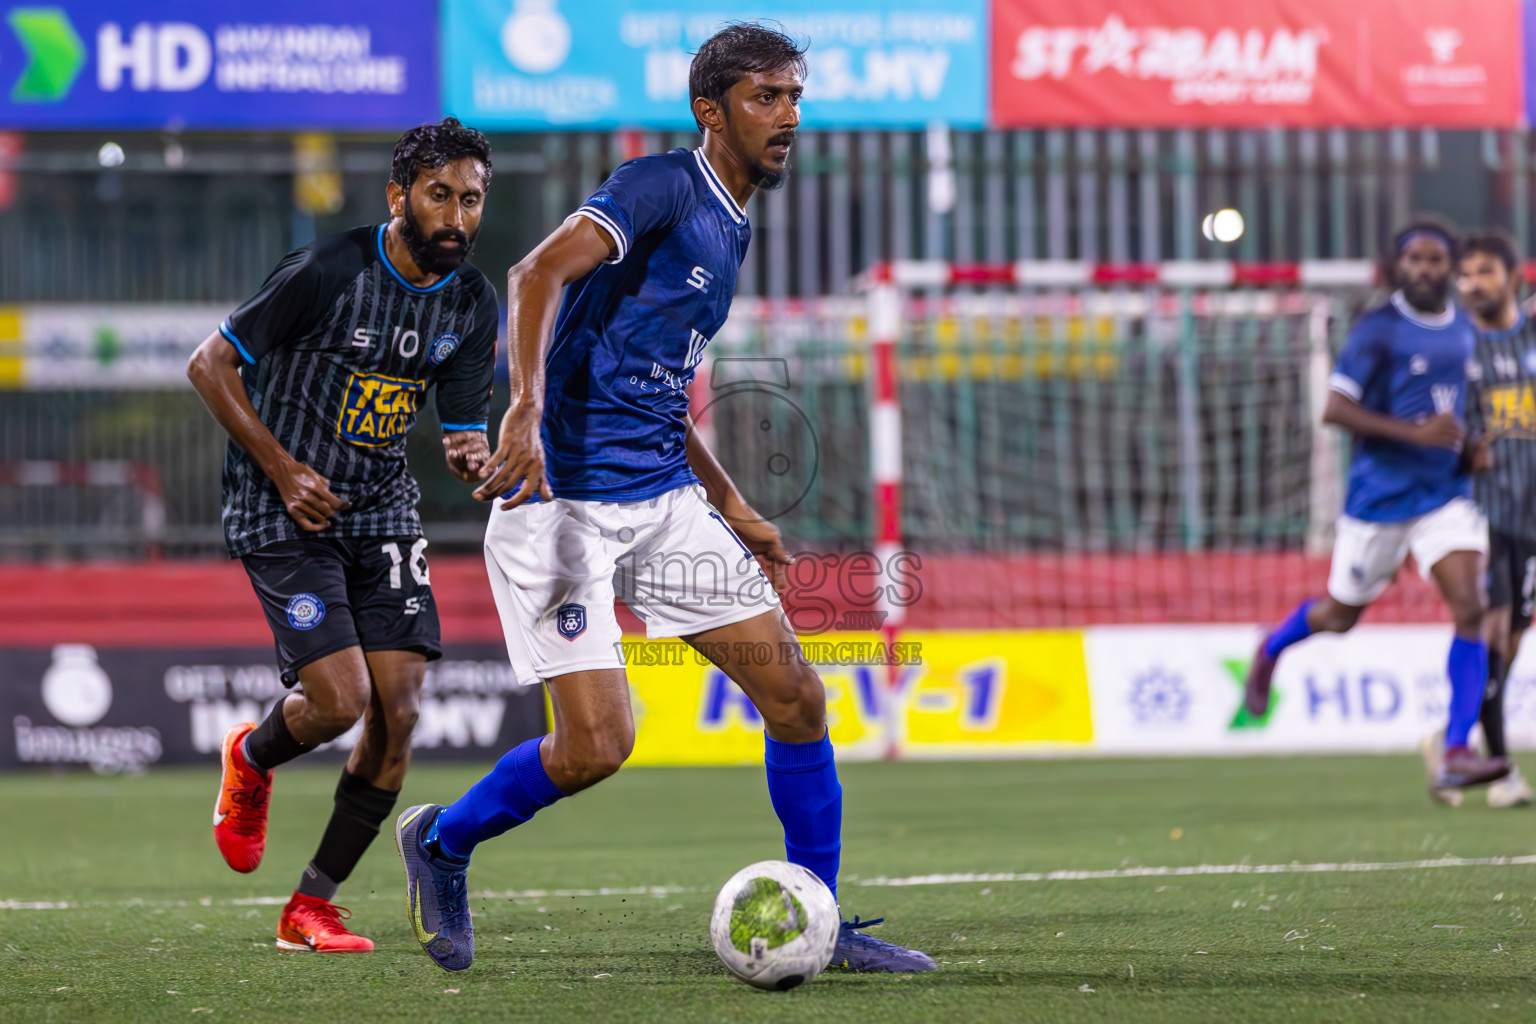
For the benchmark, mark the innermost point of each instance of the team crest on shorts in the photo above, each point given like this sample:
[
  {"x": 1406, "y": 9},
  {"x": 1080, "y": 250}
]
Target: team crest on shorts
[
  {"x": 305, "y": 611},
  {"x": 571, "y": 620},
  {"x": 443, "y": 346}
]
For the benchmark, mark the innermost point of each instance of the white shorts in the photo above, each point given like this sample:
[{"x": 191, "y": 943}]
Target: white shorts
[
  {"x": 556, "y": 567},
  {"x": 1367, "y": 555}
]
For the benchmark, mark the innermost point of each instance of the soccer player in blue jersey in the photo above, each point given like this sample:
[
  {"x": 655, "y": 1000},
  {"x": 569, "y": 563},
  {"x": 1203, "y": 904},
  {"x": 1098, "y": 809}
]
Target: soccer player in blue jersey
[
  {"x": 609, "y": 492},
  {"x": 1400, "y": 389}
]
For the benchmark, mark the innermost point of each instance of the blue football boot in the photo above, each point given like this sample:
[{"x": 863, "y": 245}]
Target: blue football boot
[
  {"x": 435, "y": 892},
  {"x": 859, "y": 952}
]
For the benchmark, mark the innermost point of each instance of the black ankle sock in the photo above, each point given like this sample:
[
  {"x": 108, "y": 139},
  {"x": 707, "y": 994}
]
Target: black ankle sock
[
  {"x": 1491, "y": 714},
  {"x": 360, "y": 810},
  {"x": 316, "y": 883},
  {"x": 270, "y": 743}
]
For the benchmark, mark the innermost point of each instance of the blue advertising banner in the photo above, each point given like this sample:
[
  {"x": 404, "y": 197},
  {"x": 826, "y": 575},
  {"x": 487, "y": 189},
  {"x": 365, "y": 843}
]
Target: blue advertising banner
[
  {"x": 282, "y": 64},
  {"x": 529, "y": 64}
]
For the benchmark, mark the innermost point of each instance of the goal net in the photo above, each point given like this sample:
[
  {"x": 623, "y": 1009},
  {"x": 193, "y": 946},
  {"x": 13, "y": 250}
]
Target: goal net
[{"x": 1058, "y": 443}]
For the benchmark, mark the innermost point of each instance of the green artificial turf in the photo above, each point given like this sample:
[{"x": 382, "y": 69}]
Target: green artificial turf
[{"x": 156, "y": 930}]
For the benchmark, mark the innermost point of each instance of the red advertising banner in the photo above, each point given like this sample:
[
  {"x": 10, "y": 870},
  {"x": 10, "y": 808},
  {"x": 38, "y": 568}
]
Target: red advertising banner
[{"x": 1214, "y": 63}]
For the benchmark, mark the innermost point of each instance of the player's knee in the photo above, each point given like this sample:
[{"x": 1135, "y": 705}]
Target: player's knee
[
  {"x": 1337, "y": 618},
  {"x": 799, "y": 707},
  {"x": 590, "y": 757},
  {"x": 339, "y": 707},
  {"x": 401, "y": 713},
  {"x": 1468, "y": 616}
]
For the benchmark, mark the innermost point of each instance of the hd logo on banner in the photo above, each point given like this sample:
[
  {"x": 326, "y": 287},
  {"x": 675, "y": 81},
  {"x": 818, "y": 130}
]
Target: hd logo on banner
[
  {"x": 1178, "y": 690},
  {"x": 526, "y": 64},
  {"x": 1194, "y": 63},
  {"x": 274, "y": 64}
]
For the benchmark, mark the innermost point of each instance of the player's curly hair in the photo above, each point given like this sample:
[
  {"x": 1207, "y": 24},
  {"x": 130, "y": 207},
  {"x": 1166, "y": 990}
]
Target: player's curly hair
[
  {"x": 433, "y": 145},
  {"x": 740, "y": 49},
  {"x": 1492, "y": 242}
]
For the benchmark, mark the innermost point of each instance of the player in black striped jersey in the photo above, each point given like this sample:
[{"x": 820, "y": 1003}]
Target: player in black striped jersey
[
  {"x": 1501, "y": 408},
  {"x": 317, "y": 379}
]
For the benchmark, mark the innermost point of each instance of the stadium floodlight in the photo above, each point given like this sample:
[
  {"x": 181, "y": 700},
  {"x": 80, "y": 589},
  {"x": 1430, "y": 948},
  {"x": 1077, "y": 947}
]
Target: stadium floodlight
[
  {"x": 1224, "y": 225},
  {"x": 110, "y": 155}
]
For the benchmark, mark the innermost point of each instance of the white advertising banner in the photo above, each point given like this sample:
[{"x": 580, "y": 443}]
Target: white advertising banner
[
  {"x": 121, "y": 345},
  {"x": 1169, "y": 690}
]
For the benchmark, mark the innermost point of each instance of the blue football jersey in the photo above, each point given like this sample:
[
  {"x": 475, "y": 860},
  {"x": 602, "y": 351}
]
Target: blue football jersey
[
  {"x": 1410, "y": 365},
  {"x": 630, "y": 333}
]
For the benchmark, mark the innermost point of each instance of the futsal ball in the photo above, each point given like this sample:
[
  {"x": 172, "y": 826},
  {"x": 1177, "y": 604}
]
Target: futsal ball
[{"x": 775, "y": 925}]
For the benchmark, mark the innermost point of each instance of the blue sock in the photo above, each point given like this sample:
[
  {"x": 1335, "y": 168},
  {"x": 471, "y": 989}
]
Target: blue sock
[
  {"x": 802, "y": 783},
  {"x": 513, "y": 791},
  {"x": 1468, "y": 669},
  {"x": 1293, "y": 630}
]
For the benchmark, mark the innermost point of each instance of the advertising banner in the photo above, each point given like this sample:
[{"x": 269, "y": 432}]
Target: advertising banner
[
  {"x": 164, "y": 64},
  {"x": 1199, "y": 63},
  {"x": 125, "y": 709},
  {"x": 956, "y": 694},
  {"x": 1178, "y": 690},
  {"x": 113, "y": 345},
  {"x": 532, "y": 64}
]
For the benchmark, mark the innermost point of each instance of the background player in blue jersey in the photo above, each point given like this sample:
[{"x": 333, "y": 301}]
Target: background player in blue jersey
[
  {"x": 1400, "y": 389},
  {"x": 613, "y": 494}
]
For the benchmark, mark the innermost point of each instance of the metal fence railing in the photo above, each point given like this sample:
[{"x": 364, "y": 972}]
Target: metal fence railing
[
  {"x": 1109, "y": 421},
  {"x": 209, "y": 224}
]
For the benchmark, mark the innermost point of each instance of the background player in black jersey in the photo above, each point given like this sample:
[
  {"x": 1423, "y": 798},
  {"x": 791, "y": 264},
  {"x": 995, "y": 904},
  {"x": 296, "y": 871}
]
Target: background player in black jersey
[
  {"x": 317, "y": 379},
  {"x": 1501, "y": 408}
]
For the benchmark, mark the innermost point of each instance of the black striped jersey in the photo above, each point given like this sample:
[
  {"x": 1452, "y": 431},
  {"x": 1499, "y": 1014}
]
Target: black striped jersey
[
  {"x": 1502, "y": 407},
  {"x": 339, "y": 351}
]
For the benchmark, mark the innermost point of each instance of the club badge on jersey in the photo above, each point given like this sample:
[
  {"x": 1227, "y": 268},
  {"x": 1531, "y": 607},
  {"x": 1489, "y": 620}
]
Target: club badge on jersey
[{"x": 571, "y": 620}]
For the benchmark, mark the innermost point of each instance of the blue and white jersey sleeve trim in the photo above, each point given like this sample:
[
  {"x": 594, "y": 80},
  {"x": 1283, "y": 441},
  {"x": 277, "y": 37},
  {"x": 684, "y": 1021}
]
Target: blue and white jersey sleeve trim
[
  {"x": 1346, "y": 386},
  {"x": 229, "y": 336},
  {"x": 597, "y": 216}
]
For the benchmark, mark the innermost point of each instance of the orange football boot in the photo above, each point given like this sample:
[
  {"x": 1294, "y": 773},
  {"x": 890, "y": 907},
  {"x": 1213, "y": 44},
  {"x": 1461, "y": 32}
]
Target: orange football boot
[
  {"x": 312, "y": 925},
  {"x": 240, "y": 815}
]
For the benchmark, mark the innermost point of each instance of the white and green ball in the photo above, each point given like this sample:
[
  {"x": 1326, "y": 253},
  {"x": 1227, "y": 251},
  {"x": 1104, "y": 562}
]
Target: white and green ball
[{"x": 774, "y": 925}]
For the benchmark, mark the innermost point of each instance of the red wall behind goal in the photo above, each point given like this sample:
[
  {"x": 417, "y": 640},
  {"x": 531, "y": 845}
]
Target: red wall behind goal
[{"x": 207, "y": 604}]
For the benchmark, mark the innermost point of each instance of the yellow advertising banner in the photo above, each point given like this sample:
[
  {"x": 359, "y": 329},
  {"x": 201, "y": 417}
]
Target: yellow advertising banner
[
  {"x": 995, "y": 693},
  {"x": 945, "y": 694}
]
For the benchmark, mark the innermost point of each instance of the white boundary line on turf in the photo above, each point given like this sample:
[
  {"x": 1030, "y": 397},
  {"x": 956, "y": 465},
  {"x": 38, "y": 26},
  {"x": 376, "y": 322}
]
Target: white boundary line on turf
[
  {"x": 1173, "y": 871},
  {"x": 1203, "y": 869}
]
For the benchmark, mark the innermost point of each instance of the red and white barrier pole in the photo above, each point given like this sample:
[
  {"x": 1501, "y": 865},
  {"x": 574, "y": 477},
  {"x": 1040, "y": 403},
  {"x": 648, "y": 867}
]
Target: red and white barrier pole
[{"x": 885, "y": 469}]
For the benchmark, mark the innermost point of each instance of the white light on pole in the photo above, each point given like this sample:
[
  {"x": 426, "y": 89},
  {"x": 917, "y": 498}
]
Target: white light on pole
[{"x": 1222, "y": 226}]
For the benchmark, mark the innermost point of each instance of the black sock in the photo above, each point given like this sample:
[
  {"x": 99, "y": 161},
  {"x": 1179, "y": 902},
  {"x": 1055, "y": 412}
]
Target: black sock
[
  {"x": 1491, "y": 714},
  {"x": 270, "y": 743},
  {"x": 360, "y": 810}
]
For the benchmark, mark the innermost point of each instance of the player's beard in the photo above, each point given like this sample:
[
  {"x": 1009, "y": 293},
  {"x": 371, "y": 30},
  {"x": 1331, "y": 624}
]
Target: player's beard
[
  {"x": 430, "y": 254},
  {"x": 1488, "y": 308},
  {"x": 1427, "y": 296},
  {"x": 766, "y": 177}
]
